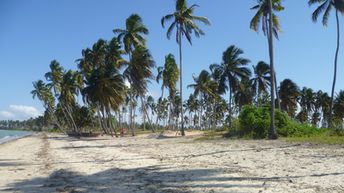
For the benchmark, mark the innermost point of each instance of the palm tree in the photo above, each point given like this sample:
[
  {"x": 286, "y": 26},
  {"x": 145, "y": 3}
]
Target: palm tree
[
  {"x": 55, "y": 78},
  {"x": 325, "y": 7},
  {"x": 150, "y": 104},
  {"x": 339, "y": 107},
  {"x": 184, "y": 22},
  {"x": 70, "y": 85},
  {"x": 325, "y": 100},
  {"x": 105, "y": 89},
  {"x": 270, "y": 27},
  {"x": 306, "y": 101},
  {"x": 132, "y": 36},
  {"x": 104, "y": 85},
  {"x": 169, "y": 75},
  {"x": 244, "y": 93},
  {"x": 202, "y": 88},
  {"x": 289, "y": 93},
  {"x": 139, "y": 72},
  {"x": 261, "y": 80},
  {"x": 232, "y": 70},
  {"x": 262, "y": 16},
  {"x": 44, "y": 94}
]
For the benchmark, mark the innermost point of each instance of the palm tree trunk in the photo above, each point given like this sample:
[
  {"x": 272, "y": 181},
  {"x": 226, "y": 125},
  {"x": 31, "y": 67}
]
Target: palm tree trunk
[
  {"x": 131, "y": 116},
  {"x": 213, "y": 120},
  {"x": 277, "y": 95},
  {"x": 54, "y": 119},
  {"x": 200, "y": 113},
  {"x": 113, "y": 128},
  {"x": 272, "y": 130},
  {"x": 181, "y": 82},
  {"x": 70, "y": 114},
  {"x": 145, "y": 115},
  {"x": 335, "y": 72},
  {"x": 64, "y": 110},
  {"x": 230, "y": 105},
  {"x": 99, "y": 119}
]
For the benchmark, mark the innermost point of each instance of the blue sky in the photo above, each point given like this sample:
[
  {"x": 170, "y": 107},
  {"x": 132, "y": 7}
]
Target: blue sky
[{"x": 35, "y": 32}]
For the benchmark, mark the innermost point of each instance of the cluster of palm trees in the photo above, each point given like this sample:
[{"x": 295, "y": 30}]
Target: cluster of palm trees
[
  {"x": 251, "y": 87},
  {"x": 113, "y": 76},
  {"x": 101, "y": 80}
]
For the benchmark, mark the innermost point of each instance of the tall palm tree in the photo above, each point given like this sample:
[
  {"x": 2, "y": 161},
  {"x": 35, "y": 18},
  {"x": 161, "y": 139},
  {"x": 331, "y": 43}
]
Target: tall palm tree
[
  {"x": 261, "y": 80},
  {"x": 262, "y": 16},
  {"x": 289, "y": 93},
  {"x": 270, "y": 26},
  {"x": 325, "y": 8},
  {"x": 232, "y": 69},
  {"x": 133, "y": 37},
  {"x": 184, "y": 22}
]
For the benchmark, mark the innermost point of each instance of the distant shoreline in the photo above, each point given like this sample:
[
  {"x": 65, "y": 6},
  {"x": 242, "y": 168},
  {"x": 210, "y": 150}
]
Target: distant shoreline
[{"x": 8, "y": 138}]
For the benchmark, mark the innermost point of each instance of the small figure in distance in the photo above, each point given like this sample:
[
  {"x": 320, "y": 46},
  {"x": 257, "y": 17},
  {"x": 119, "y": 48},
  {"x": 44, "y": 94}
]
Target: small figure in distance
[{"x": 122, "y": 132}]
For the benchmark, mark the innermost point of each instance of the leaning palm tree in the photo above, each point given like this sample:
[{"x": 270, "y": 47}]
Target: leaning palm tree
[
  {"x": 270, "y": 26},
  {"x": 261, "y": 80},
  {"x": 44, "y": 94},
  {"x": 67, "y": 98},
  {"x": 232, "y": 69},
  {"x": 184, "y": 22},
  {"x": 55, "y": 77},
  {"x": 325, "y": 7}
]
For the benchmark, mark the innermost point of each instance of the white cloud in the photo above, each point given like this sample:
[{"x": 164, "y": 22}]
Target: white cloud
[
  {"x": 6, "y": 115},
  {"x": 19, "y": 112}
]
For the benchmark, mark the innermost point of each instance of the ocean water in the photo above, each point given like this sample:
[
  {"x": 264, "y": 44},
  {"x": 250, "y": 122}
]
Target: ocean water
[{"x": 8, "y": 135}]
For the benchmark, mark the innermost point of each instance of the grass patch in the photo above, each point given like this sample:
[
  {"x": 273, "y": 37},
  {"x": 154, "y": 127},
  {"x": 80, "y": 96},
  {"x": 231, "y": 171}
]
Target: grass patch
[
  {"x": 319, "y": 139},
  {"x": 211, "y": 135}
]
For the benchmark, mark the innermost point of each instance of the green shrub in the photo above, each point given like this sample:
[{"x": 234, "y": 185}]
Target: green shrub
[
  {"x": 295, "y": 129},
  {"x": 255, "y": 123}
]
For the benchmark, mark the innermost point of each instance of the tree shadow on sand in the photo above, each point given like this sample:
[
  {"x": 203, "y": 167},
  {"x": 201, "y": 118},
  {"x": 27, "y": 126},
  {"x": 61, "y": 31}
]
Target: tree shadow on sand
[{"x": 146, "y": 179}]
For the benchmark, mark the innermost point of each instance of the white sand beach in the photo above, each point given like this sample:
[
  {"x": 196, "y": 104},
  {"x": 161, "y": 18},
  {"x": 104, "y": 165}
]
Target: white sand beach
[{"x": 148, "y": 163}]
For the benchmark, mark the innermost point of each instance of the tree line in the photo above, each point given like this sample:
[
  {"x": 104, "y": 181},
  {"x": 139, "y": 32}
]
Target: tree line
[{"x": 113, "y": 76}]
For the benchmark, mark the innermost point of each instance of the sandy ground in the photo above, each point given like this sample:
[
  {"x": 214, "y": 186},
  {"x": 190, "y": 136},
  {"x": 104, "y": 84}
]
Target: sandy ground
[{"x": 152, "y": 163}]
